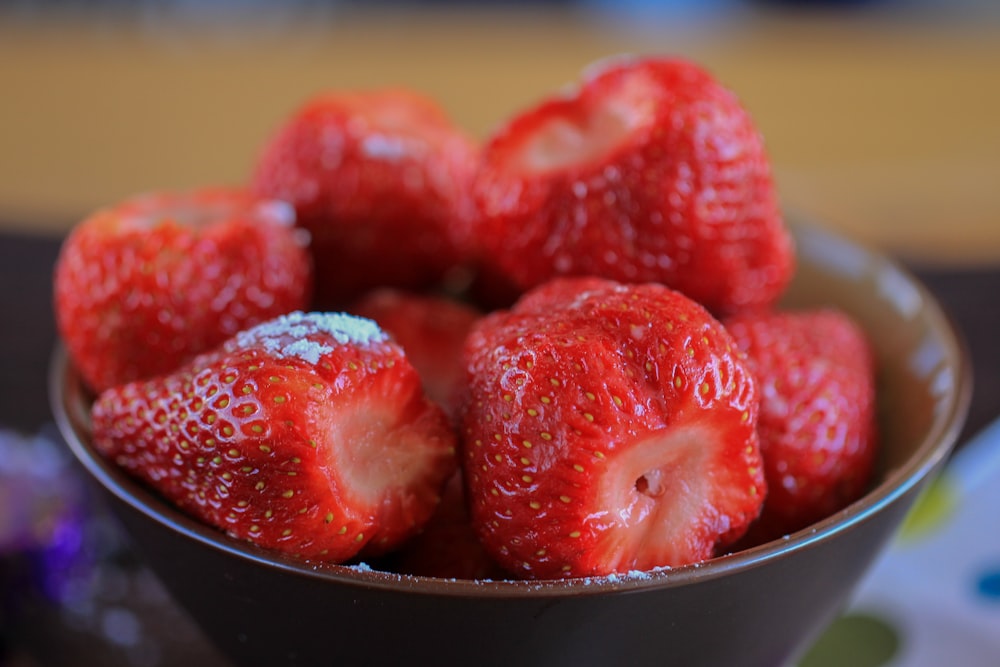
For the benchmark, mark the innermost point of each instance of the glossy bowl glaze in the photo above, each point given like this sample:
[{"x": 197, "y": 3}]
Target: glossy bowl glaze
[{"x": 756, "y": 607}]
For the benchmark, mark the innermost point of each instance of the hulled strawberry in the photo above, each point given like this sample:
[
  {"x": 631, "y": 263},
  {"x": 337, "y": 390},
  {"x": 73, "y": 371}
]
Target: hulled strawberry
[
  {"x": 431, "y": 330},
  {"x": 817, "y": 426},
  {"x": 380, "y": 179},
  {"x": 145, "y": 285},
  {"x": 608, "y": 428},
  {"x": 309, "y": 434},
  {"x": 648, "y": 171}
]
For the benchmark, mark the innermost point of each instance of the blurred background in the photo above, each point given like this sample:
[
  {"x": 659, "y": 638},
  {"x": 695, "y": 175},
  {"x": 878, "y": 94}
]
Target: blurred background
[{"x": 881, "y": 117}]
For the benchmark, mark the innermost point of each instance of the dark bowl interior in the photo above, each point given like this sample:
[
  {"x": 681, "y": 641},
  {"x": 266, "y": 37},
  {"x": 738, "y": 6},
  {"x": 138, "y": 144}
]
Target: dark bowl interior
[{"x": 755, "y": 607}]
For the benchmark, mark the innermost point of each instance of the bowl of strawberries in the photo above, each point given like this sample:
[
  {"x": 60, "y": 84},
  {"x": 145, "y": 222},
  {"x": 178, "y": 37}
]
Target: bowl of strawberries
[{"x": 575, "y": 394}]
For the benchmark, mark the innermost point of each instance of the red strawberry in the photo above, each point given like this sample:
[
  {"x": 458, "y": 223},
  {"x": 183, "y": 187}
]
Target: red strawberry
[
  {"x": 380, "y": 179},
  {"x": 649, "y": 171},
  {"x": 559, "y": 292},
  {"x": 818, "y": 434},
  {"x": 448, "y": 547},
  {"x": 610, "y": 431},
  {"x": 431, "y": 329},
  {"x": 143, "y": 286},
  {"x": 308, "y": 434}
]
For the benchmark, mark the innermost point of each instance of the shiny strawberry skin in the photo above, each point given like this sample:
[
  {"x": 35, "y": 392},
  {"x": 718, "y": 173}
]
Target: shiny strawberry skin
[
  {"x": 608, "y": 430},
  {"x": 143, "y": 286},
  {"x": 648, "y": 171},
  {"x": 817, "y": 425},
  {"x": 380, "y": 180},
  {"x": 308, "y": 434},
  {"x": 431, "y": 330}
]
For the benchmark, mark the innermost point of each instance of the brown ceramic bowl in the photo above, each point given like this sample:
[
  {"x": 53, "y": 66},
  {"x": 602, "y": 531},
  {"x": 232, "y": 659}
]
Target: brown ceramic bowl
[{"x": 756, "y": 607}]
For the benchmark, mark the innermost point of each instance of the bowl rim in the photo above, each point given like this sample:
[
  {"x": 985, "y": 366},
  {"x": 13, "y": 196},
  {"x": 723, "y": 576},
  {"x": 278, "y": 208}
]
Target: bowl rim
[{"x": 72, "y": 420}]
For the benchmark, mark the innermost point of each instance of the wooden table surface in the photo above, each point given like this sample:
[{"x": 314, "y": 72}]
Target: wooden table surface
[{"x": 886, "y": 129}]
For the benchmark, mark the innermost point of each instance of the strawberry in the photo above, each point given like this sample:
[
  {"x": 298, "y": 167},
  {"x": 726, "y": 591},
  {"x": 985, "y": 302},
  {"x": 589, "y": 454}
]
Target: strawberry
[
  {"x": 431, "y": 330},
  {"x": 380, "y": 179},
  {"x": 559, "y": 291},
  {"x": 649, "y": 170},
  {"x": 143, "y": 286},
  {"x": 308, "y": 434},
  {"x": 607, "y": 428},
  {"x": 817, "y": 424},
  {"x": 448, "y": 547}
]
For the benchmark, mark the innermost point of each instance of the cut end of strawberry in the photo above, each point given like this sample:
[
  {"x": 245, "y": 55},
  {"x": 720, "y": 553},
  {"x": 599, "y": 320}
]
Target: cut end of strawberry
[
  {"x": 389, "y": 450},
  {"x": 376, "y": 455},
  {"x": 200, "y": 209},
  {"x": 650, "y": 491},
  {"x": 577, "y": 132},
  {"x": 666, "y": 503}
]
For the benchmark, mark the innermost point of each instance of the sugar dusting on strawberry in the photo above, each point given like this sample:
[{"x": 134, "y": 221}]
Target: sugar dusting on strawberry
[
  {"x": 309, "y": 434},
  {"x": 286, "y": 336}
]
